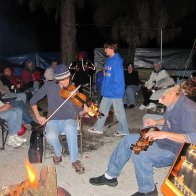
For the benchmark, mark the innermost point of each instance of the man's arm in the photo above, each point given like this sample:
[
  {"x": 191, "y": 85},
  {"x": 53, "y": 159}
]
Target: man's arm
[
  {"x": 40, "y": 119},
  {"x": 154, "y": 135},
  {"x": 150, "y": 122}
]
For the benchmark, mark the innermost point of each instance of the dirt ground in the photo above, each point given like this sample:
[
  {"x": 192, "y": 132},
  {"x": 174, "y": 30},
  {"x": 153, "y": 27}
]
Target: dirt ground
[{"x": 97, "y": 151}]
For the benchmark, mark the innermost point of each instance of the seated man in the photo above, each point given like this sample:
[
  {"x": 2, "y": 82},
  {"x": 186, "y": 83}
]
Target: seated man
[
  {"x": 158, "y": 74},
  {"x": 61, "y": 121},
  {"x": 5, "y": 94},
  {"x": 13, "y": 117},
  {"x": 14, "y": 83},
  {"x": 49, "y": 72},
  {"x": 31, "y": 77},
  {"x": 163, "y": 151},
  {"x": 132, "y": 81}
]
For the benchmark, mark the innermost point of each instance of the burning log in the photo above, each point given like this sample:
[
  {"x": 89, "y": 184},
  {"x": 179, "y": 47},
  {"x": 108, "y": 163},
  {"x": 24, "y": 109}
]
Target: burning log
[{"x": 46, "y": 185}]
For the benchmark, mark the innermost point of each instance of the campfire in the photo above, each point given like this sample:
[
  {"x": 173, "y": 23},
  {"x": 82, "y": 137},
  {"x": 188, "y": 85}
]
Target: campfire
[{"x": 45, "y": 185}]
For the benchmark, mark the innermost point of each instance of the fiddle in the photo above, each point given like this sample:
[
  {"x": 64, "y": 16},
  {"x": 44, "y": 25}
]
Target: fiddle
[
  {"x": 80, "y": 99},
  {"x": 143, "y": 143}
]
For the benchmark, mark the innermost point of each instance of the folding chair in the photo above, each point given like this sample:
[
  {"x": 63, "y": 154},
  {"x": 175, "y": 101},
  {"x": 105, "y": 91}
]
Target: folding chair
[
  {"x": 4, "y": 133},
  {"x": 80, "y": 137}
]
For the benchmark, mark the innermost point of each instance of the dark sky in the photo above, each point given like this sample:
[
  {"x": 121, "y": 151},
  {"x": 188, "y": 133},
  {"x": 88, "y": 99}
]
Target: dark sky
[{"x": 24, "y": 32}]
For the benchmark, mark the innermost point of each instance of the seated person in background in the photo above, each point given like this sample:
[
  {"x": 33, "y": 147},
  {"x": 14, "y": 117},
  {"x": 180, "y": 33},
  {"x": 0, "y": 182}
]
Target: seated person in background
[
  {"x": 49, "y": 73},
  {"x": 155, "y": 76},
  {"x": 14, "y": 83},
  {"x": 6, "y": 94},
  {"x": 193, "y": 77},
  {"x": 31, "y": 77},
  {"x": 163, "y": 151},
  {"x": 99, "y": 79},
  {"x": 81, "y": 70},
  {"x": 26, "y": 117},
  {"x": 132, "y": 82},
  {"x": 64, "y": 120},
  {"x": 13, "y": 117}
]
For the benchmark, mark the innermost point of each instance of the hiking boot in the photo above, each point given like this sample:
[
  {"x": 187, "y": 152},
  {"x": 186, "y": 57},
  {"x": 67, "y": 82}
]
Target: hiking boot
[
  {"x": 57, "y": 160},
  {"x": 93, "y": 130},
  {"x": 118, "y": 134},
  {"x": 13, "y": 142},
  {"x": 77, "y": 165},
  {"x": 152, "y": 193},
  {"x": 102, "y": 180}
]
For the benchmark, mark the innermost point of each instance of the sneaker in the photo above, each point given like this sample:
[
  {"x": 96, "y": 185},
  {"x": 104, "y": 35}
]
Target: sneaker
[
  {"x": 77, "y": 165},
  {"x": 150, "y": 106},
  {"x": 118, "y": 134},
  {"x": 12, "y": 142},
  {"x": 20, "y": 139},
  {"x": 102, "y": 180},
  {"x": 142, "y": 107},
  {"x": 152, "y": 193},
  {"x": 93, "y": 130}
]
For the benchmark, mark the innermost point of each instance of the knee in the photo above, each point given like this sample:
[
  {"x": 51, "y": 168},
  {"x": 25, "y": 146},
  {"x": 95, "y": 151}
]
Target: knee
[
  {"x": 71, "y": 126},
  {"x": 51, "y": 137},
  {"x": 15, "y": 113}
]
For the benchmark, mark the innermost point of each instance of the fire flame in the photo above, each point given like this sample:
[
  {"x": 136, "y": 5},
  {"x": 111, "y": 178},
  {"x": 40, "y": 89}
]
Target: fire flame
[
  {"x": 32, "y": 179},
  {"x": 93, "y": 110},
  {"x": 30, "y": 182}
]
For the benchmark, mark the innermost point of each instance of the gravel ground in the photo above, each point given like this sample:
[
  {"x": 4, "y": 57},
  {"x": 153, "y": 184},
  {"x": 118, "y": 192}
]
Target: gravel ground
[{"x": 97, "y": 151}]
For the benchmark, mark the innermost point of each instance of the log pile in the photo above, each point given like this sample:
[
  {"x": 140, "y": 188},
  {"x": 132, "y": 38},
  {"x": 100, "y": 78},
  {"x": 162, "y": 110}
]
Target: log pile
[{"x": 47, "y": 186}]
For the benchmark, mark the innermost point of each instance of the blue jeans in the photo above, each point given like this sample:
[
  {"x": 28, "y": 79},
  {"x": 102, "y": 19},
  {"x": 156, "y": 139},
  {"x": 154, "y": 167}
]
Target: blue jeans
[
  {"x": 19, "y": 96},
  {"x": 25, "y": 115},
  {"x": 119, "y": 112},
  {"x": 54, "y": 128},
  {"x": 13, "y": 117},
  {"x": 129, "y": 97},
  {"x": 143, "y": 163}
]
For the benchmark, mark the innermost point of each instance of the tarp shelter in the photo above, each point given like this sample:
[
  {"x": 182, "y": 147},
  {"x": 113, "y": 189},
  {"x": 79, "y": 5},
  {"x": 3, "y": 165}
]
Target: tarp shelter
[
  {"x": 41, "y": 60},
  {"x": 172, "y": 59}
]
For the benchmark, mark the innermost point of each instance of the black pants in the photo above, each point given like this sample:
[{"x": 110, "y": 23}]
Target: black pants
[{"x": 146, "y": 94}]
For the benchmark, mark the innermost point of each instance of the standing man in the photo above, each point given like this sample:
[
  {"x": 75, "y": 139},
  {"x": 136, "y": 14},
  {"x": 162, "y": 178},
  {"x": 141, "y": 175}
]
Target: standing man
[
  {"x": 112, "y": 90},
  {"x": 163, "y": 151}
]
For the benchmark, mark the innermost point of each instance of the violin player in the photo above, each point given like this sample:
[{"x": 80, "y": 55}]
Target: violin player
[
  {"x": 178, "y": 127},
  {"x": 64, "y": 120}
]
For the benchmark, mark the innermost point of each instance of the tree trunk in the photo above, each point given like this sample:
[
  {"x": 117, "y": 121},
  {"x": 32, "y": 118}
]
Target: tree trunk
[
  {"x": 131, "y": 52},
  {"x": 68, "y": 30}
]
